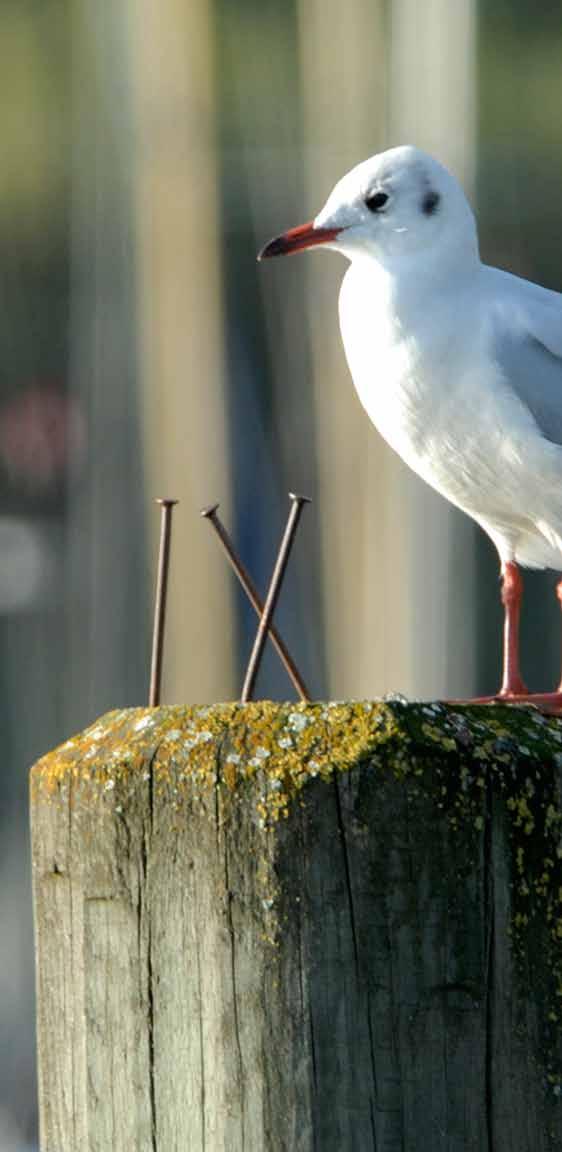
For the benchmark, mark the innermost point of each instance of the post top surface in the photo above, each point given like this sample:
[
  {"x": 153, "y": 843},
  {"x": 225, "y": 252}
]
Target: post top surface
[{"x": 296, "y": 741}]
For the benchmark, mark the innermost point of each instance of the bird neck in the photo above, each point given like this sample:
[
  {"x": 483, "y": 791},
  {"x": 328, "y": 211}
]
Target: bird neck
[{"x": 412, "y": 283}]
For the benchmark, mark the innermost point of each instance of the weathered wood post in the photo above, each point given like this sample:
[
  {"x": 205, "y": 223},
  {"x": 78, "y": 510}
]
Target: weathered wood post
[{"x": 331, "y": 927}]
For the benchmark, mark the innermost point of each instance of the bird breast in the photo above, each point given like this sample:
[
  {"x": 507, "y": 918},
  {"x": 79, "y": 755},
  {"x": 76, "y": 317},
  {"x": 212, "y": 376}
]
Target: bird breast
[
  {"x": 429, "y": 384},
  {"x": 404, "y": 366}
]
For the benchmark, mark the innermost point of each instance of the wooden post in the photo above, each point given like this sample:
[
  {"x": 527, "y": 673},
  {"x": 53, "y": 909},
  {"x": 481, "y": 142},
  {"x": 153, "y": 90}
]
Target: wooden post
[{"x": 301, "y": 927}]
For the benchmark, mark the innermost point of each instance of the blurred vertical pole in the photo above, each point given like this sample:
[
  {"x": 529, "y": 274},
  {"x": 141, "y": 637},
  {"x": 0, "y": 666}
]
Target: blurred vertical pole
[
  {"x": 432, "y": 103},
  {"x": 180, "y": 349},
  {"x": 363, "y": 557},
  {"x": 107, "y": 633},
  {"x": 272, "y": 422},
  {"x": 391, "y": 549}
]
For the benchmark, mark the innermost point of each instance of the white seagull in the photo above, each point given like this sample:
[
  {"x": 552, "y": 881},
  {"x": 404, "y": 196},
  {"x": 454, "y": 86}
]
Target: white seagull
[{"x": 457, "y": 364}]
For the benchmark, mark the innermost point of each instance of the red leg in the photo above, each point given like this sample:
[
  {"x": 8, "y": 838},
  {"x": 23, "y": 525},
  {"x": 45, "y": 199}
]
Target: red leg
[
  {"x": 559, "y": 595},
  {"x": 512, "y": 590},
  {"x": 513, "y": 690}
]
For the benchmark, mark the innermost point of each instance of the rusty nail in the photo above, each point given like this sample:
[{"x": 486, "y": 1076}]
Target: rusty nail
[
  {"x": 211, "y": 514},
  {"x": 273, "y": 591},
  {"x": 160, "y": 604}
]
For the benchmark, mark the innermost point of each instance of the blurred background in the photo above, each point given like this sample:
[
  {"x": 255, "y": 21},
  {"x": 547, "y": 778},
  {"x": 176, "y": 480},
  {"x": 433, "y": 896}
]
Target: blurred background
[{"x": 148, "y": 151}]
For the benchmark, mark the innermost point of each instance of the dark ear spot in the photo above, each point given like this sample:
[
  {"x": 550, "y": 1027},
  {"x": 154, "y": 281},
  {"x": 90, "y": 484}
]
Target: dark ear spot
[{"x": 430, "y": 202}]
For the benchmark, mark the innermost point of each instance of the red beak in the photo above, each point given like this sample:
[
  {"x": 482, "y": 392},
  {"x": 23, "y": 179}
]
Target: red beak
[{"x": 305, "y": 236}]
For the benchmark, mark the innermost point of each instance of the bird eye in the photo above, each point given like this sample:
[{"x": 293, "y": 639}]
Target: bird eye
[
  {"x": 430, "y": 202},
  {"x": 376, "y": 201}
]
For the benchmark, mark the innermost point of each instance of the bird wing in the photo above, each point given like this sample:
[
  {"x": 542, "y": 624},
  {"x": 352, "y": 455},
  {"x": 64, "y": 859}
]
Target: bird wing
[{"x": 527, "y": 347}]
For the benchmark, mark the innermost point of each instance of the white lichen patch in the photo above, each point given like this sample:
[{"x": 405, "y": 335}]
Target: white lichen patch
[{"x": 143, "y": 723}]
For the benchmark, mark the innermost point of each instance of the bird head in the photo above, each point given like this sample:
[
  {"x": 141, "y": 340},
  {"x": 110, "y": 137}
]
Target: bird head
[{"x": 395, "y": 206}]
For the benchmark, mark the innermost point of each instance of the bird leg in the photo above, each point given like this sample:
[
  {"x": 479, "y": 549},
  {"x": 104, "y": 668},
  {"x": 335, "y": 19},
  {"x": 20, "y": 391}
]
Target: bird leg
[
  {"x": 512, "y": 590},
  {"x": 513, "y": 690},
  {"x": 559, "y": 595}
]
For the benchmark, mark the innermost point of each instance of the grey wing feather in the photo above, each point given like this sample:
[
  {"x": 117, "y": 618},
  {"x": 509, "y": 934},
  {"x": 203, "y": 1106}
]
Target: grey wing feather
[{"x": 535, "y": 375}]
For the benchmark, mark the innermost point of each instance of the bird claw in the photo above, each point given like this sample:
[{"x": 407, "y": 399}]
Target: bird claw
[{"x": 548, "y": 702}]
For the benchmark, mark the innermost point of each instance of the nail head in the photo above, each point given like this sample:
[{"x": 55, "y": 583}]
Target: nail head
[{"x": 210, "y": 510}]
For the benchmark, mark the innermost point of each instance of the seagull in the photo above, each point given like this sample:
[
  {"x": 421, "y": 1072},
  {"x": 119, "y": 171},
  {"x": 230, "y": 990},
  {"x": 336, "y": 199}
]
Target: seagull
[{"x": 457, "y": 364}]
